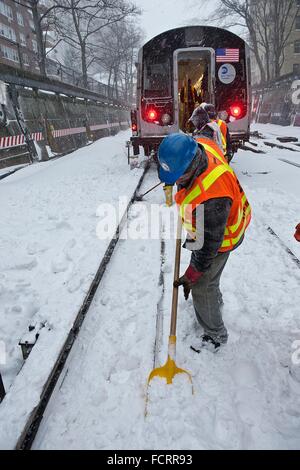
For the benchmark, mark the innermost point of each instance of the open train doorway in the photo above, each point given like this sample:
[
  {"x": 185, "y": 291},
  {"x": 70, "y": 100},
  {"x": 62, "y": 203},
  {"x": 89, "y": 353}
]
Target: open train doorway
[{"x": 194, "y": 79}]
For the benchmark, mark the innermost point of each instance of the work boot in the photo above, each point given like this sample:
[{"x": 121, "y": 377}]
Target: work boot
[
  {"x": 168, "y": 189},
  {"x": 207, "y": 343}
]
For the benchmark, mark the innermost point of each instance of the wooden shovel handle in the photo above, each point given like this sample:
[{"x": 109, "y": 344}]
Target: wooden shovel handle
[{"x": 176, "y": 277}]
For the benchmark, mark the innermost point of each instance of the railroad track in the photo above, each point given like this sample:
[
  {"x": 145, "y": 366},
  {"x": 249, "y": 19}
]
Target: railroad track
[
  {"x": 11, "y": 172},
  {"x": 281, "y": 147},
  {"x": 29, "y": 433},
  {"x": 31, "y": 428},
  {"x": 289, "y": 162},
  {"x": 286, "y": 248}
]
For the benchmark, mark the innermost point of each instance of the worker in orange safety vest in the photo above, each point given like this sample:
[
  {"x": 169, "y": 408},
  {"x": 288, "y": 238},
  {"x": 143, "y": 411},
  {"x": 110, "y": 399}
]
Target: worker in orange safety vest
[
  {"x": 205, "y": 180},
  {"x": 226, "y": 140}
]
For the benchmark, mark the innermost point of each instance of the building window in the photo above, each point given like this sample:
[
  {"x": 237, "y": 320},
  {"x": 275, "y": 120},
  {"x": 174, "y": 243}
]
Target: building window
[
  {"x": 25, "y": 59},
  {"x": 20, "y": 19},
  {"x": 31, "y": 24},
  {"x": 296, "y": 69},
  {"x": 297, "y": 47},
  {"x": 297, "y": 23},
  {"x": 6, "y": 10},
  {"x": 34, "y": 45},
  {"x": 7, "y": 32},
  {"x": 23, "y": 39},
  {"x": 9, "y": 53}
]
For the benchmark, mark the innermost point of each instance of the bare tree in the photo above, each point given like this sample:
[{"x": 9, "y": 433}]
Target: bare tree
[
  {"x": 117, "y": 53},
  {"x": 268, "y": 25},
  {"x": 283, "y": 17},
  {"x": 84, "y": 20},
  {"x": 43, "y": 19},
  {"x": 240, "y": 13}
]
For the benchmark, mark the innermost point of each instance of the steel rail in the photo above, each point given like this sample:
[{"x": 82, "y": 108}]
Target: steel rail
[{"x": 31, "y": 428}]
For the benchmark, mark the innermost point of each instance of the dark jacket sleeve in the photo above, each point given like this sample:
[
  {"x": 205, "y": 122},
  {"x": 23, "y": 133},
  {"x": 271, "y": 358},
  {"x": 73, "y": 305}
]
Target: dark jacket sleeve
[{"x": 216, "y": 212}]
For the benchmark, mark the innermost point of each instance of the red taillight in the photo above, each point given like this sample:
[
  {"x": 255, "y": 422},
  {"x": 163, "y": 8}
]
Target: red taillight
[
  {"x": 133, "y": 120},
  {"x": 152, "y": 115},
  {"x": 236, "y": 111}
]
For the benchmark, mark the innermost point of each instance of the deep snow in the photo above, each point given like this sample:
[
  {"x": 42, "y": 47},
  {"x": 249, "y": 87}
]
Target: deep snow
[{"x": 246, "y": 396}]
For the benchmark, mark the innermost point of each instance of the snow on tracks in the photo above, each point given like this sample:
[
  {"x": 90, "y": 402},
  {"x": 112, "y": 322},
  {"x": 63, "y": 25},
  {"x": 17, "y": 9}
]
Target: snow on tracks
[{"x": 49, "y": 216}]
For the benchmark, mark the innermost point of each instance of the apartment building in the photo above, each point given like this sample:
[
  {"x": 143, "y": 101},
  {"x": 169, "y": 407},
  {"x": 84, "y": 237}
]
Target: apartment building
[
  {"x": 18, "y": 45},
  {"x": 292, "y": 51}
]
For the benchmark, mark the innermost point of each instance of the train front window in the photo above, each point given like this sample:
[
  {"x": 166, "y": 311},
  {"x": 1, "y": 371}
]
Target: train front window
[{"x": 157, "y": 78}]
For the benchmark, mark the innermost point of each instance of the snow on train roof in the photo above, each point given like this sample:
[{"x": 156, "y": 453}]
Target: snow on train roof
[{"x": 197, "y": 28}]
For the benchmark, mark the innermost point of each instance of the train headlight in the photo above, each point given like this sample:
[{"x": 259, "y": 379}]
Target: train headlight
[{"x": 166, "y": 119}]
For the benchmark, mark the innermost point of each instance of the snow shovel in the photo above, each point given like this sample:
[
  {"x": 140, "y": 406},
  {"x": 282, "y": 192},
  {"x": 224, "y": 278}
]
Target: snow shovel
[{"x": 170, "y": 369}]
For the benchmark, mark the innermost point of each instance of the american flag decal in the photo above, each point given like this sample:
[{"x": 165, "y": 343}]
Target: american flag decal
[{"x": 227, "y": 55}]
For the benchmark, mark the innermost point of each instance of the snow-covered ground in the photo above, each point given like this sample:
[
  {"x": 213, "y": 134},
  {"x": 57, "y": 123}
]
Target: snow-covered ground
[
  {"x": 49, "y": 255},
  {"x": 246, "y": 396}
]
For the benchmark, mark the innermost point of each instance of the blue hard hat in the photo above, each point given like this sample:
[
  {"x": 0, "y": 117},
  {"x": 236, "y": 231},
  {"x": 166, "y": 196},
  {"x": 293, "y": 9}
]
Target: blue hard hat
[{"x": 175, "y": 154}]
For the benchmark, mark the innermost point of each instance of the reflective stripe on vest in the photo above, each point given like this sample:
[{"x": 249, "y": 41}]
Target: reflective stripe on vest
[
  {"x": 223, "y": 129},
  {"x": 242, "y": 213},
  {"x": 234, "y": 241},
  {"x": 215, "y": 154}
]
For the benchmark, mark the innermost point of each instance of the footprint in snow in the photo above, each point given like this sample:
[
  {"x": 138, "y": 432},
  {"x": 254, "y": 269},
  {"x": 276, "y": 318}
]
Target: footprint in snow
[
  {"x": 60, "y": 264},
  {"x": 35, "y": 248},
  {"x": 74, "y": 284},
  {"x": 247, "y": 375},
  {"x": 69, "y": 248},
  {"x": 25, "y": 263},
  {"x": 62, "y": 225}
]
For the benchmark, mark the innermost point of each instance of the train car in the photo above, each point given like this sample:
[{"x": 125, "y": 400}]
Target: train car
[{"x": 181, "y": 68}]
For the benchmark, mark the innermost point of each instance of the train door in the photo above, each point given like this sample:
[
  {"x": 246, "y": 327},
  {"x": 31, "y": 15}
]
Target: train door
[{"x": 194, "y": 82}]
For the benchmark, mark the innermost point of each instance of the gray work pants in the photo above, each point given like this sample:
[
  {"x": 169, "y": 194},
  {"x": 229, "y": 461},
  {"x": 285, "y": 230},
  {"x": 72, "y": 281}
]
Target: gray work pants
[{"x": 208, "y": 300}]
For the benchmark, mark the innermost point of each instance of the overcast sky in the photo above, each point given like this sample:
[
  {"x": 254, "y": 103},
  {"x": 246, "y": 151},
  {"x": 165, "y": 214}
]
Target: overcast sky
[{"x": 161, "y": 15}]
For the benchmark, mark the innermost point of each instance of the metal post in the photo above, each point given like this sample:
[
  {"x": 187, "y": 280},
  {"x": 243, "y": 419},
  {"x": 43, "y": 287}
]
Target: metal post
[{"x": 2, "y": 389}]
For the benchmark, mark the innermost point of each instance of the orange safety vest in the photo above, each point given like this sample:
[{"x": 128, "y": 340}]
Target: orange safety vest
[
  {"x": 218, "y": 180},
  {"x": 223, "y": 128}
]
